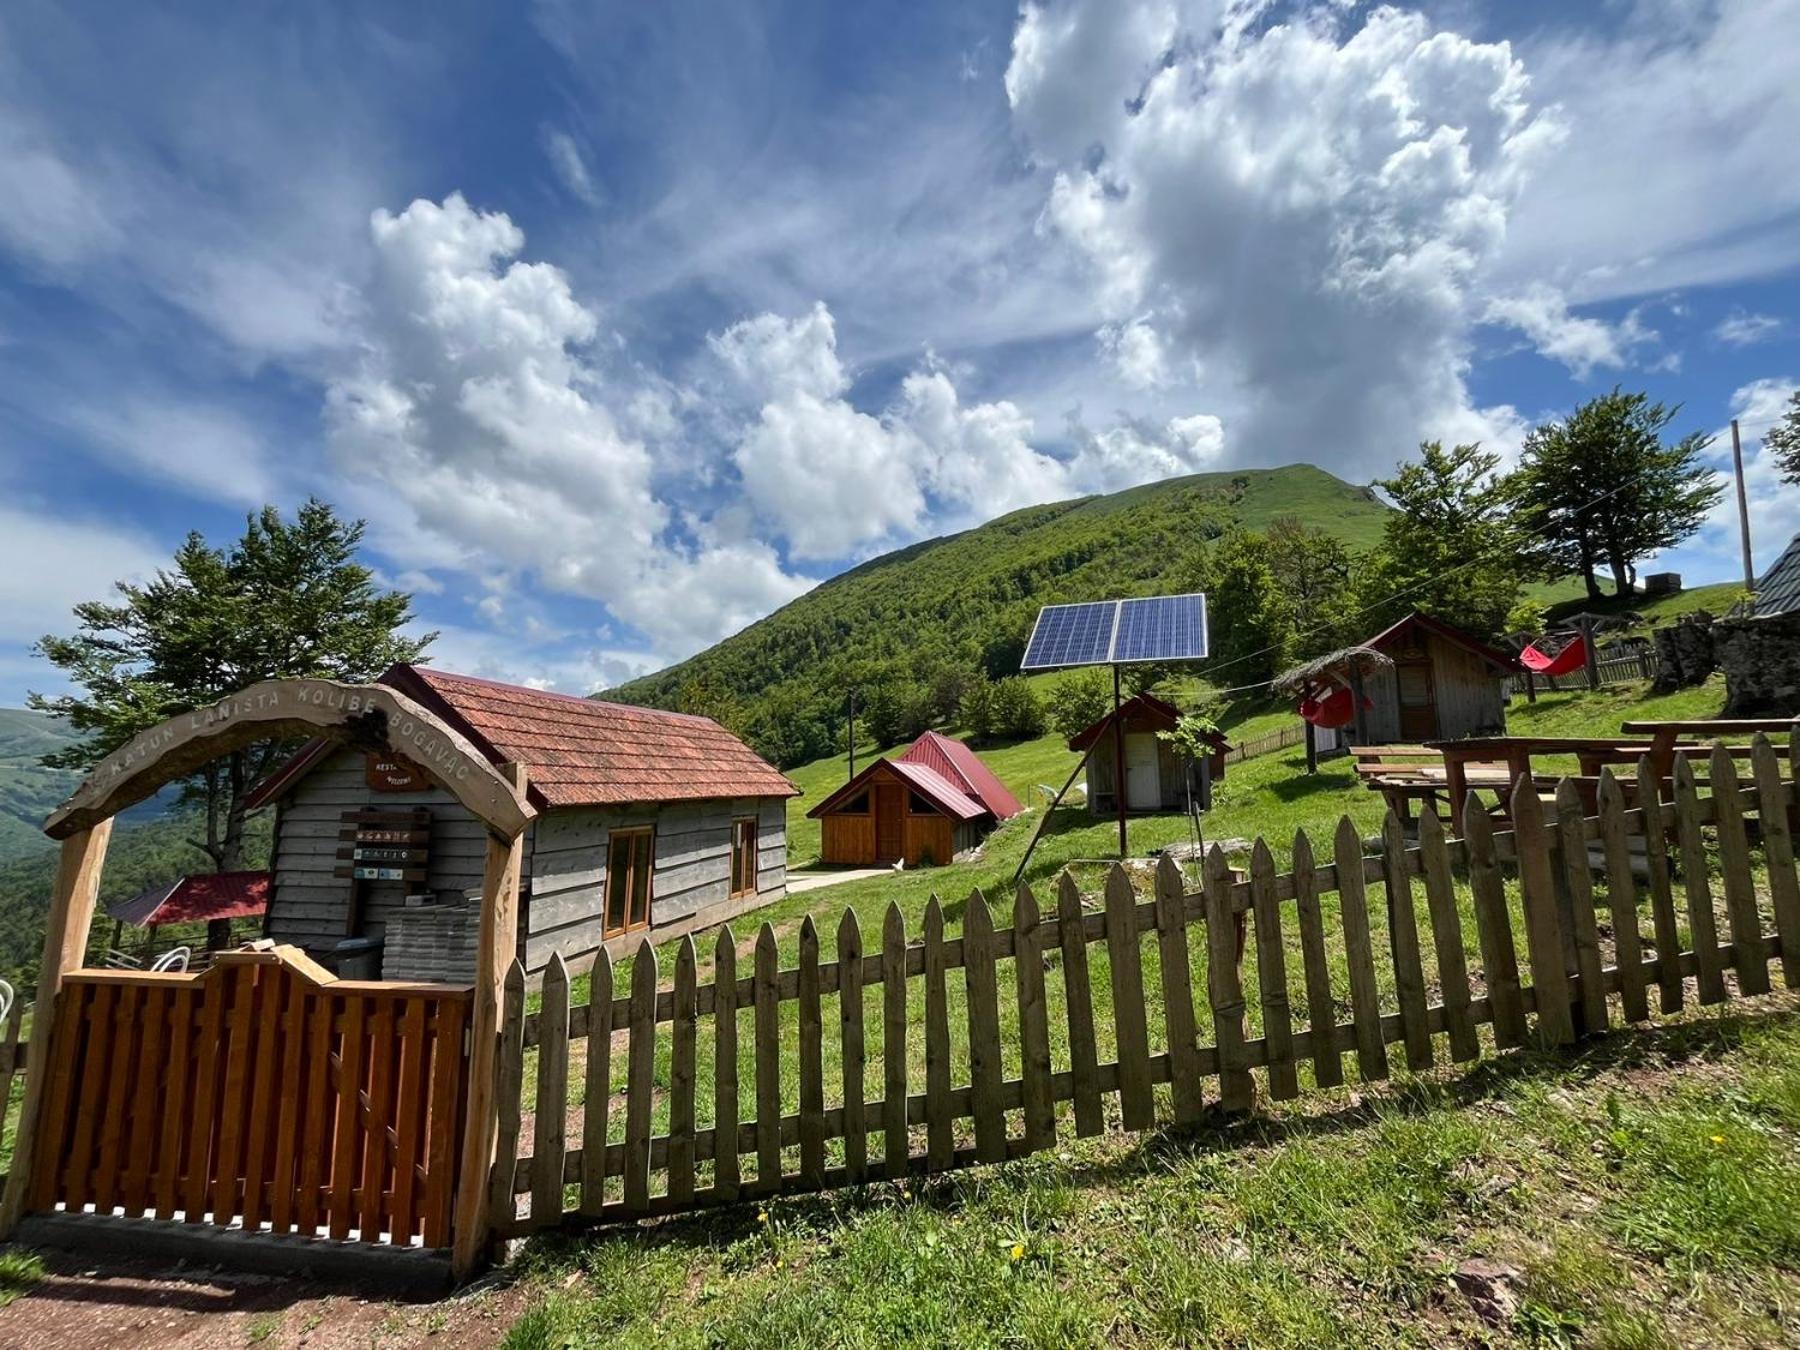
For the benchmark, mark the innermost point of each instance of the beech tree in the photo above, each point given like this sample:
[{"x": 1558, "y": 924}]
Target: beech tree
[
  {"x": 283, "y": 601},
  {"x": 1602, "y": 489}
]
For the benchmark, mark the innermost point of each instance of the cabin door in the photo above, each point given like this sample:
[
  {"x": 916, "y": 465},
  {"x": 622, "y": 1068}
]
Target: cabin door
[
  {"x": 890, "y": 821},
  {"x": 1143, "y": 778},
  {"x": 1418, "y": 701}
]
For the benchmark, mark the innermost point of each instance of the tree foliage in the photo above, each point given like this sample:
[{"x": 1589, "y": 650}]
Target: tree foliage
[
  {"x": 1450, "y": 549},
  {"x": 1602, "y": 489},
  {"x": 283, "y": 601},
  {"x": 1078, "y": 700},
  {"x": 1783, "y": 440}
]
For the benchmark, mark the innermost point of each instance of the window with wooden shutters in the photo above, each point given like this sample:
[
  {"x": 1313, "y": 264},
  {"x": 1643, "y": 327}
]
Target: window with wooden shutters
[
  {"x": 743, "y": 857},
  {"x": 629, "y": 866}
]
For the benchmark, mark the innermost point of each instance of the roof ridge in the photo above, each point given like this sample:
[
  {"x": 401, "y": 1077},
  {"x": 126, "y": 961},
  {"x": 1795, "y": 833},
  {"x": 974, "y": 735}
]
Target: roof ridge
[{"x": 575, "y": 700}]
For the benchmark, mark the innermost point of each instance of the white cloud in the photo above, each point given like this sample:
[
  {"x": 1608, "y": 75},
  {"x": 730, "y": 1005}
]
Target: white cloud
[
  {"x": 1774, "y": 504},
  {"x": 571, "y": 169},
  {"x": 207, "y": 451},
  {"x": 1742, "y": 329},
  {"x": 476, "y": 420},
  {"x": 1308, "y": 209},
  {"x": 48, "y": 565},
  {"x": 1580, "y": 342}
]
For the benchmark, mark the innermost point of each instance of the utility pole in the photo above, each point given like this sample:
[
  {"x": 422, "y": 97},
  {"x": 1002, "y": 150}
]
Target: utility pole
[
  {"x": 1737, "y": 463},
  {"x": 850, "y": 738}
]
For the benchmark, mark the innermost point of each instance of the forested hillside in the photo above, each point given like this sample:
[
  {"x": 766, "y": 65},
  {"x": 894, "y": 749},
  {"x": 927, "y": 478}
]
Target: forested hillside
[
  {"x": 961, "y": 607},
  {"x": 28, "y": 791}
]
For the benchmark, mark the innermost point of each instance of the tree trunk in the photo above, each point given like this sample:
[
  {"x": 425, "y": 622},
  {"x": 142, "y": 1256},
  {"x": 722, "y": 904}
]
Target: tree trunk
[{"x": 231, "y": 850}]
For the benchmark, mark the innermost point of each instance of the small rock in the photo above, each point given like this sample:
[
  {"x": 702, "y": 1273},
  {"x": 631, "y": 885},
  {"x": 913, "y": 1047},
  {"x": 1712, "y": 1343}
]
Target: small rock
[{"x": 1490, "y": 1288}]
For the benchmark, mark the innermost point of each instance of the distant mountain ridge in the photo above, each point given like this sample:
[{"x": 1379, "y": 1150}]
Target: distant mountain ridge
[
  {"x": 975, "y": 593},
  {"x": 29, "y": 791}
]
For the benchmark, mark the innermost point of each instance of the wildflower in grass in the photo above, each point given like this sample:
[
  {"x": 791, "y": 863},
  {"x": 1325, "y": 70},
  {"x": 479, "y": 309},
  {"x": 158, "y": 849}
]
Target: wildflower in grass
[
  {"x": 762, "y": 1216},
  {"x": 1018, "y": 1251},
  {"x": 1718, "y": 1139}
]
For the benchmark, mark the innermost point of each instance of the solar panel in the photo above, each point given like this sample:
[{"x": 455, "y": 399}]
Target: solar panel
[
  {"x": 1162, "y": 628},
  {"x": 1071, "y": 635}
]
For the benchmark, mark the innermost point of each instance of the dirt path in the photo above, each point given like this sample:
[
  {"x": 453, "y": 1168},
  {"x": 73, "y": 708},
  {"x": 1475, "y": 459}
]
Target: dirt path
[{"x": 83, "y": 1302}]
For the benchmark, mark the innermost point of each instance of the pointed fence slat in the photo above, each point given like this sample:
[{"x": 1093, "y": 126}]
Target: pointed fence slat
[
  {"x": 1663, "y": 926},
  {"x": 1734, "y": 864},
  {"x": 597, "y": 1085},
  {"x": 1621, "y": 899},
  {"x": 1403, "y": 944},
  {"x": 1359, "y": 954},
  {"x": 1034, "y": 1021},
  {"x": 1772, "y": 798},
  {"x": 725, "y": 1066},
  {"x": 1321, "y": 1008},
  {"x": 548, "y": 1147},
  {"x": 640, "y": 1078},
  {"x": 940, "y": 1140},
  {"x": 812, "y": 1060},
  {"x": 1130, "y": 1024},
  {"x": 683, "y": 1031},
  {"x": 511, "y": 1076},
  {"x": 1177, "y": 992},
  {"x": 853, "y": 1050},
  {"x": 768, "y": 1064},
  {"x": 1271, "y": 975},
  {"x": 1703, "y": 929},
  {"x": 1447, "y": 939},
  {"x": 896, "y": 1147},
  {"x": 1493, "y": 927},
  {"x": 1078, "y": 1004},
  {"x": 1543, "y": 923},
  {"x": 984, "y": 1031},
  {"x": 1578, "y": 887},
  {"x": 1225, "y": 988}
]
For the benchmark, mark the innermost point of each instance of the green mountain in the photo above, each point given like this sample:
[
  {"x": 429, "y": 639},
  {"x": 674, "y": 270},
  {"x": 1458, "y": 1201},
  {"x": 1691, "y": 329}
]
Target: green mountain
[
  {"x": 29, "y": 791},
  {"x": 966, "y": 601}
]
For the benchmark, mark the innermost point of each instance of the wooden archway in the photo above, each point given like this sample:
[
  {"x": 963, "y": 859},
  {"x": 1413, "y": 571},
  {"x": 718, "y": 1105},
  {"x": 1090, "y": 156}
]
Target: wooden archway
[{"x": 370, "y": 717}]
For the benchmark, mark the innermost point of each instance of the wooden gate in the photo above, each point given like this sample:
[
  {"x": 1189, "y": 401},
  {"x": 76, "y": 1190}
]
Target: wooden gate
[{"x": 266, "y": 1091}]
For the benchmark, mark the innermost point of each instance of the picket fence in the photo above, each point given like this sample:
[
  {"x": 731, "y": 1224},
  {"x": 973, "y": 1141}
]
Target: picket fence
[
  {"x": 1266, "y": 744},
  {"x": 1569, "y": 984}
]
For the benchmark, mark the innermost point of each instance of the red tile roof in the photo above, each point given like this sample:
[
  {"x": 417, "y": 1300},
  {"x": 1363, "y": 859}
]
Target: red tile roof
[
  {"x": 580, "y": 751},
  {"x": 197, "y": 899},
  {"x": 963, "y": 767}
]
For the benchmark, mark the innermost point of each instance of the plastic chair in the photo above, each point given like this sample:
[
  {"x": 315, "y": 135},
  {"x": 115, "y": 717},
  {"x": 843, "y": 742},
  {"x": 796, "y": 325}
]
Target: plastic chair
[{"x": 175, "y": 959}]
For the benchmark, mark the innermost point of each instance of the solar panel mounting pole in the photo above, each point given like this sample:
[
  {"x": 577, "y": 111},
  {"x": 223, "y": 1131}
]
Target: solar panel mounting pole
[{"x": 1119, "y": 763}]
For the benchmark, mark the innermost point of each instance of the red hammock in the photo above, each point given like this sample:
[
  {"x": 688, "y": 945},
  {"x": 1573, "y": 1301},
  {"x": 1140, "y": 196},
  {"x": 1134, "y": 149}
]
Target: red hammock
[
  {"x": 1336, "y": 709},
  {"x": 1566, "y": 662}
]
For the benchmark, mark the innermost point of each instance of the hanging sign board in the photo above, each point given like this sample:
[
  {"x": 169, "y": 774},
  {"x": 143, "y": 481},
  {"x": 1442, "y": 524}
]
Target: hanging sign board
[
  {"x": 377, "y": 845},
  {"x": 387, "y": 772}
]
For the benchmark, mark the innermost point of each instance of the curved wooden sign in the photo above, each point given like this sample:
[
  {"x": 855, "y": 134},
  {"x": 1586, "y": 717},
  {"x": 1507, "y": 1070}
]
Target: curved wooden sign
[{"x": 370, "y": 717}]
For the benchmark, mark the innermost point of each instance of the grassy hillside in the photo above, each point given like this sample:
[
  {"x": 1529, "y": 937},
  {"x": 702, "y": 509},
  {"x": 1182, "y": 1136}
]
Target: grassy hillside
[
  {"x": 28, "y": 791},
  {"x": 975, "y": 593}
]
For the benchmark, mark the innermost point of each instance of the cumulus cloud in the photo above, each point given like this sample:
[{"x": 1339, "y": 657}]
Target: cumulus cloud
[
  {"x": 1307, "y": 208},
  {"x": 50, "y": 564},
  {"x": 476, "y": 413},
  {"x": 1580, "y": 342},
  {"x": 835, "y": 480}
]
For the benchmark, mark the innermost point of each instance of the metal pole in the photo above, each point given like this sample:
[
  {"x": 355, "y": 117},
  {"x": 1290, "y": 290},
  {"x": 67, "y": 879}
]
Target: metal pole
[
  {"x": 1119, "y": 765},
  {"x": 1737, "y": 463}
]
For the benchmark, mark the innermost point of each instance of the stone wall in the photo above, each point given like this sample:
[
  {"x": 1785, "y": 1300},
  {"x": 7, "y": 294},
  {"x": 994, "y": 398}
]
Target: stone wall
[
  {"x": 1685, "y": 652},
  {"x": 1761, "y": 661}
]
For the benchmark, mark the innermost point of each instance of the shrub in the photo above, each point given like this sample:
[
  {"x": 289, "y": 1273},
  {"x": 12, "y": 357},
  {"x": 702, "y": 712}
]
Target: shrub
[{"x": 1018, "y": 711}]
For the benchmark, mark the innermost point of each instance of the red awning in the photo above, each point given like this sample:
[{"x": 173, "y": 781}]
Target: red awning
[{"x": 215, "y": 895}]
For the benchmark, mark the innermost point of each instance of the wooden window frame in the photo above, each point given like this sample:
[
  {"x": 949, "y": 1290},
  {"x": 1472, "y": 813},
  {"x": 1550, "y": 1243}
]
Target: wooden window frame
[
  {"x": 739, "y": 825},
  {"x": 643, "y": 836}
]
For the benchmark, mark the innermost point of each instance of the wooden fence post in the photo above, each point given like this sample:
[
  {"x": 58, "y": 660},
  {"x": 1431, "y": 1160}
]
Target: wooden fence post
[
  {"x": 1543, "y": 921},
  {"x": 65, "y": 944},
  {"x": 495, "y": 952}
]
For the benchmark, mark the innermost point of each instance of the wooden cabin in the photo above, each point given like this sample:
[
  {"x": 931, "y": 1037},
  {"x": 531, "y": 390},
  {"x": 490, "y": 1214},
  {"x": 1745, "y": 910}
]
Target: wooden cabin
[
  {"x": 923, "y": 808},
  {"x": 1154, "y": 780},
  {"x": 1444, "y": 685},
  {"x": 649, "y": 822}
]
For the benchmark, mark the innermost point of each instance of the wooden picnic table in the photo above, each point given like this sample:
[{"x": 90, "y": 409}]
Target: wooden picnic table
[{"x": 1665, "y": 735}]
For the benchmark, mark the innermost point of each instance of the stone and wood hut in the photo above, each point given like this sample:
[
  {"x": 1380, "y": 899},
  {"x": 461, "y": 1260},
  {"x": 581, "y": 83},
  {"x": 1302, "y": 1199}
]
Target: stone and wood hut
[
  {"x": 650, "y": 822},
  {"x": 924, "y": 807}
]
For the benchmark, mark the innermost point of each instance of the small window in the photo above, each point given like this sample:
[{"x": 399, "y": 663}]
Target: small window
[
  {"x": 857, "y": 805},
  {"x": 919, "y": 806},
  {"x": 630, "y": 862},
  {"x": 743, "y": 857}
]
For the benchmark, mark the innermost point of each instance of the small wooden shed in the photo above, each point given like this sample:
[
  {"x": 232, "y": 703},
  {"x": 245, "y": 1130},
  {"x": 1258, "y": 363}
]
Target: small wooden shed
[
  {"x": 1153, "y": 771},
  {"x": 1445, "y": 684},
  {"x": 925, "y": 806}
]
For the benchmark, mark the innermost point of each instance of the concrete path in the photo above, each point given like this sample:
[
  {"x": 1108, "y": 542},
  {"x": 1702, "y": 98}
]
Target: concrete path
[{"x": 800, "y": 882}]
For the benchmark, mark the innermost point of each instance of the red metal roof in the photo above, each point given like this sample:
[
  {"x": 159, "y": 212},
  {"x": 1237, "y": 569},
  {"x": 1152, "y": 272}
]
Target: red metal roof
[
  {"x": 197, "y": 899},
  {"x": 963, "y": 767},
  {"x": 578, "y": 751},
  {"x": 940, "y": 791}
]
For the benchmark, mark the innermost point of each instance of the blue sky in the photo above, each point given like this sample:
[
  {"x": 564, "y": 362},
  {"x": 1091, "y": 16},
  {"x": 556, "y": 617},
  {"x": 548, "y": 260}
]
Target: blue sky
[{"x": 624, "y": 324}]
